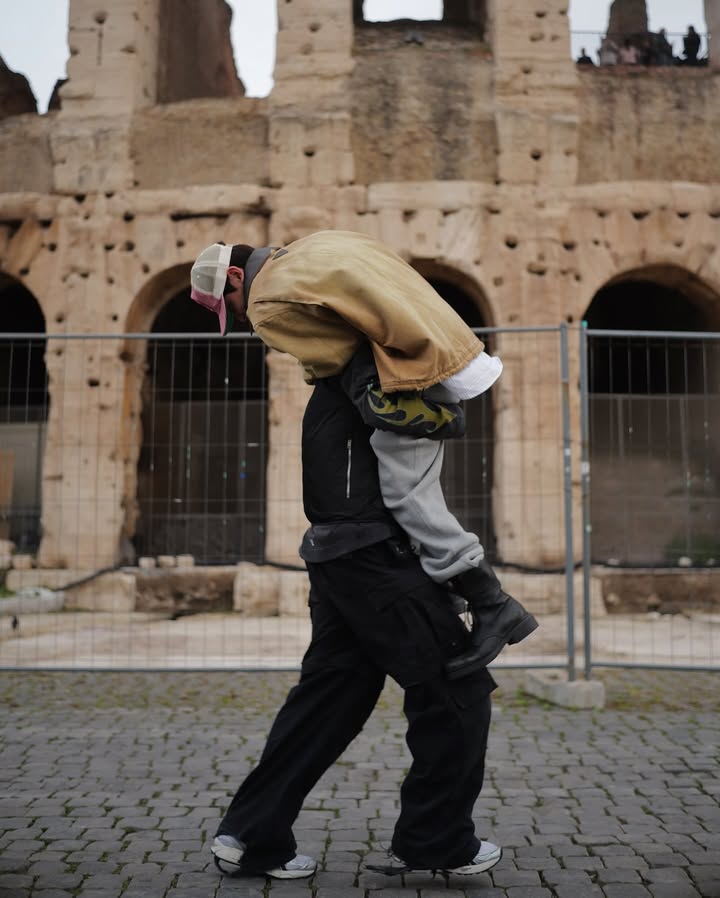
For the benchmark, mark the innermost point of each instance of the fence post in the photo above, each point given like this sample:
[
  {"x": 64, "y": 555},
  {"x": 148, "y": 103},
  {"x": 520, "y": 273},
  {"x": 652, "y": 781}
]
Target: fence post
[
  {"x": 585, "y": 493},
  {"x": 567, "y": 490}
]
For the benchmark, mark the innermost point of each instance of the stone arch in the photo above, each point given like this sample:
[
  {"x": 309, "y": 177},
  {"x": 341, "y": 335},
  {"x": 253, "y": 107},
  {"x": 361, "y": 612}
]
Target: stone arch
[
  {"x": 652, "y": 298},
  {"x": 468, "y": 469},
  {"x": 200, "y": 445},
  {"x": 654, "y": 410},
  {"x": 459, "y": 289},
  {"x": 23, "y": 414}
]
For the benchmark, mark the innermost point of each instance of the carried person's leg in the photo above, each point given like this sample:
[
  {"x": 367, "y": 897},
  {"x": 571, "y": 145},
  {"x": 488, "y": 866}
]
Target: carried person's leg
[{"x": 337, "y": 691}]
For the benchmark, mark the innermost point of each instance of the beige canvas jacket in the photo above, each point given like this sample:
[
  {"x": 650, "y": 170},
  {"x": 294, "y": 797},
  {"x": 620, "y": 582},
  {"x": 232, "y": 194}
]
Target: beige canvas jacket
[{"x": 320, "y": 296}]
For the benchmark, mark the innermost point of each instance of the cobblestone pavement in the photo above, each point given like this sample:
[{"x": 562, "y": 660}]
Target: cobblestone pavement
[{"x": 111, "y": 785}]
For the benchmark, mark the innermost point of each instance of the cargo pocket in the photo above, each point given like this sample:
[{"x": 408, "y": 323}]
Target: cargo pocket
[{"x": 473, "y": 690}]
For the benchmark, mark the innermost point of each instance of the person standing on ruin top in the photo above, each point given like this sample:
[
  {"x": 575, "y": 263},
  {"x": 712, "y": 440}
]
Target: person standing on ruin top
[{"x": 691, "y": 46}]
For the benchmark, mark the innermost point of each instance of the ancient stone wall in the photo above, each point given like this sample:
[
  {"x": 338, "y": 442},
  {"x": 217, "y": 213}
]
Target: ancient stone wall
[
  {"x": 494, "y": 159},
  {"x": 422, "y": 111},
  {"x": 654, "y": 124}
]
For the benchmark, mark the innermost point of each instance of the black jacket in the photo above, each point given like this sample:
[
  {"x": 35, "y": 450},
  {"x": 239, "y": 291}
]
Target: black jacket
[{"x": 341, "y": 490}]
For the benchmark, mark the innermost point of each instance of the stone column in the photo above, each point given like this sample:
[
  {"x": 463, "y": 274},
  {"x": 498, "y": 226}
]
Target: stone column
[
  {"x": 82, "y": 477},
  {"x": 627, "y": 17},
  {"x": 536, "y": 93},
  {"x": 310, "y": 120},
  {"x": 112, "y": 71},
  {"x": 287, "y": 397}
]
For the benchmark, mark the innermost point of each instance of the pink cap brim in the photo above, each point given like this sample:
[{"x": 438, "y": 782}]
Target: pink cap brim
[{"x": 213, "y": 303}]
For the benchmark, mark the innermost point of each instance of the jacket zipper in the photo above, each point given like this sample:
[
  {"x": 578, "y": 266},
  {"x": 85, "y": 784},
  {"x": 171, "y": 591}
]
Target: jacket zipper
[{"x": 349, "y": 469}]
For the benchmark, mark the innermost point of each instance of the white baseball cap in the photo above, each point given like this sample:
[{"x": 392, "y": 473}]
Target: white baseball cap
[{"x": 207, "y": 282}]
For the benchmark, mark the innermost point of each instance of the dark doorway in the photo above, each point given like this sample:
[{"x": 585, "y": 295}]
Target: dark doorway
[
  {"x": 654, "y": 411},
  {"x": 201, "y": 471},
  {"x": 23, "y": 414}
]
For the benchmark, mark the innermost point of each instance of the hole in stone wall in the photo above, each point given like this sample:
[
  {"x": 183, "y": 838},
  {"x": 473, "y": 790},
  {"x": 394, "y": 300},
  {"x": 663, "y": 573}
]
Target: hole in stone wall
[
  {"x": 128, "y": 216},
  {"x": 569, "y": 245},
  {"x": 683, "y": 214},
  {"x": 536, "y": 154},
  {"x": 537, "y": 268},
  {"x": 638, "y": 216},
  {"x": 309, "y": 152},
  {"x": 511, "y": 242},
  {"x": 128, "y": 246},
  {"x": 409, "y": 214}
]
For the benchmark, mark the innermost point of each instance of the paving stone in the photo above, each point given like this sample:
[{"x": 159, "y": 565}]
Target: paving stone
[
  {"x": 681, "y": 890},
  {"x": 583, "y": 891},
  {"x": 626, "y": 890}
]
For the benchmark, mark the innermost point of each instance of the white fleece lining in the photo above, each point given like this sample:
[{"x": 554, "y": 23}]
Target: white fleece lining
[{"x": 476, "y": 377}]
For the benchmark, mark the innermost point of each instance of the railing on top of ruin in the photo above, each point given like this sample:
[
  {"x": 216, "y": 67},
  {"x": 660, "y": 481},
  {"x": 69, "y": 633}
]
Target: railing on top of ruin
[{"x": 591, "y": 41}]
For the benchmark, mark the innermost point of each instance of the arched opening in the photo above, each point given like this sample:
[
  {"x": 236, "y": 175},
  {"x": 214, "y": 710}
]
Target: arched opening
[
  {"x": 201, "y": 468},
  {"x": 654, "y": 420},
  {"x": 23, "y": 414},
  {"x": 469, "y": 462}
]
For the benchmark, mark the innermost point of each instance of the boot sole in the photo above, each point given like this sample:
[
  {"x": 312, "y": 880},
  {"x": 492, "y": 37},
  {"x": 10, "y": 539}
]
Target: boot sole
[{"x": 464, "y": 665}]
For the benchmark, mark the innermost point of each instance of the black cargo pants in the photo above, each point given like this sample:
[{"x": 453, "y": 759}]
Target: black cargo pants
[{"x": 374, "y": 612}]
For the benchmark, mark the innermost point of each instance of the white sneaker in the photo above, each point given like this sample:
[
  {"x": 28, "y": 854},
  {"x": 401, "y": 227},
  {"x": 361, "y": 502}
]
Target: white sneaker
[
  {"x": 488, "y": 855},
  {"x": 299, "y": 867},
  {"x": 230, "y": 850}
]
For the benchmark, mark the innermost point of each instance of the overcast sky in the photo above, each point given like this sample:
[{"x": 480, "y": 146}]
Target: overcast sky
[{"x": 33, "y": 39}]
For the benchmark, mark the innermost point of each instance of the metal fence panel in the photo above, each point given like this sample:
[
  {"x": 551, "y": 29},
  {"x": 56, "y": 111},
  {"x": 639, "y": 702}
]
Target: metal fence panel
[
  {"x": 144, "y": 461},
  {"x": 651, "y": 497}
]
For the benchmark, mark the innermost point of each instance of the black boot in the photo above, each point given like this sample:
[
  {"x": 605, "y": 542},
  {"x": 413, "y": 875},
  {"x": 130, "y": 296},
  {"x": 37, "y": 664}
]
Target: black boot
[{"x": 497, "y": 619}]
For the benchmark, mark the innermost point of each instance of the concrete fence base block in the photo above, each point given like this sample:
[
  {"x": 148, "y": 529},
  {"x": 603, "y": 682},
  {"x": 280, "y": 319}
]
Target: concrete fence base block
[{"x": 554, "y": 687}]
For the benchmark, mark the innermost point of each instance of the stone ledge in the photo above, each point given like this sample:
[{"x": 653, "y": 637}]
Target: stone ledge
[
  {"x": 49, "y": 578},
  {"x": 554, "y": 687}
]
